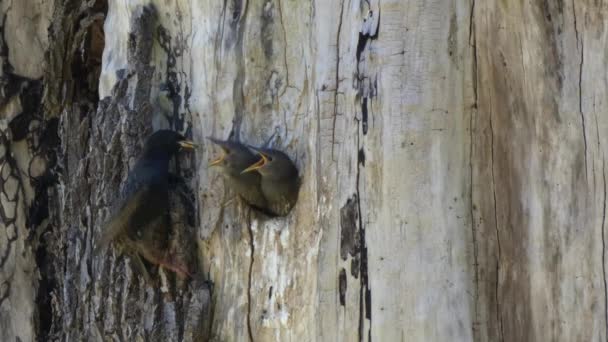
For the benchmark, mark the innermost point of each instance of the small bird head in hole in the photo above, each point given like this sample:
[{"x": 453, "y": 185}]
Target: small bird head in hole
[
  {"x": 273, "y": 164},
  {"x": 279, "y": 179},
  {"x": 234, "y": 156}
]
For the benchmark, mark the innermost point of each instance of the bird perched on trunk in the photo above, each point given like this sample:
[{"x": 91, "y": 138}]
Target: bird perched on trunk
[
  {"x": 234, "y": 159},
  {"x": 141, "y": 221},
  {"x": 280, "y": 182}
]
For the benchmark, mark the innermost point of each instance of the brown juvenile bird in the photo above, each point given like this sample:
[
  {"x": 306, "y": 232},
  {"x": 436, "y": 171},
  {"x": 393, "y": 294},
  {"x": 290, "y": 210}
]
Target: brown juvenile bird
[
  {"x": 234, "y": 159},
  {"x": 141, "y": 222},
  {"x": 280, "y": 182}
]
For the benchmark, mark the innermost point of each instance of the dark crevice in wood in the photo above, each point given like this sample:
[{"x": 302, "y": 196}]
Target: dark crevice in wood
[
  {"x": 217, "y": 43},
  {"x": 364, "y": 114},
  {"x": 319, "y": 160},
  {"x": 46, "y": 287},
  {"x": 349, "y": 238},
  {"x": 361, "y": 157},
  {"x": 337, "y": 81},
  {"x": 365, "y": 294},
  {"x": 363, "y": 39},
  {"x": 5, "y": 291},
  {"x": 366, "y": 33},
  {"x": 249, "y": 277},
  {"x": 497, "y": 231},
  {"x": 369, "y": 31},
  {"x": 285, "y": 46},
  {"x": 575, "y": 24},
  {"x": 472, "y": 23},
  {"x": 580, "y": 104},
  {"x": 342, "y": 286},
  {"x": 472, "y": 116},
  {"x": 366, "y": 89},
  {"x": 239, "y": 24},
  {"x": 580, "y": 46},
  {"x": 604, "y": 249}
]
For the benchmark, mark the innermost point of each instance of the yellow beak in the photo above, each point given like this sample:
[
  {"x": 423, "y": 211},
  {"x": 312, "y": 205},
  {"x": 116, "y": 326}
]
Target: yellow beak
[
  {"x": 218, "y": 160},
  {"x": 257, "y": 164},
  {"x": 187, "y": 144}
]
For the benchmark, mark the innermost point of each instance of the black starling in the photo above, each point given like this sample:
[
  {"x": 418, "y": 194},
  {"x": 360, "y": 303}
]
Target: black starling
[
  {"x": 141, "y": 221},
  {"x": 280, "y": 182},
  {"x": 234, "y": 159}
]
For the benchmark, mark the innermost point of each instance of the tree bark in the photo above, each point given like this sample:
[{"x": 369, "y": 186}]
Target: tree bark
[{"x": 452, "y": 157}]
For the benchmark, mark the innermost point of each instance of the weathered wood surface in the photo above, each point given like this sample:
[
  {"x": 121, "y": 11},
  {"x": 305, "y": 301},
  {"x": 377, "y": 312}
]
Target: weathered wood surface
[{"x": 452, "y": 157}]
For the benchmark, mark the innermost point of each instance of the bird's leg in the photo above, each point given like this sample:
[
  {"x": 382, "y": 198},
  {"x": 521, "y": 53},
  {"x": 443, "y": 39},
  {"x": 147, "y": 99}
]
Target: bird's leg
[
  {"x": 138, "y": 266},
  {"x": 170, "y": 263},
  {"x": 182, "y": 273}
]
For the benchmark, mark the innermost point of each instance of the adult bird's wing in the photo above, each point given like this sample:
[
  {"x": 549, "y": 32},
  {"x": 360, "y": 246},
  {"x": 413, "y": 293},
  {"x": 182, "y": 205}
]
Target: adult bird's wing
[{"x": 120, "y": 221}]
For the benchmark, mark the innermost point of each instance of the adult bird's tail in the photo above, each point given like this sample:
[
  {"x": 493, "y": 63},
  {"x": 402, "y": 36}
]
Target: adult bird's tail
[{"x": 118, "y": 223}]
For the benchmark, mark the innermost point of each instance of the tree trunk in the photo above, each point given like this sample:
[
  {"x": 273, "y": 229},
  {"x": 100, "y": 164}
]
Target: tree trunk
[{"x": 452, "y": 156}]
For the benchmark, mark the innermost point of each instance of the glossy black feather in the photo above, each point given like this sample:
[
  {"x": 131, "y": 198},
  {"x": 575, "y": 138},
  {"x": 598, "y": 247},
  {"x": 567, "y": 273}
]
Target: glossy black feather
[{"x": 141, "y": 217}]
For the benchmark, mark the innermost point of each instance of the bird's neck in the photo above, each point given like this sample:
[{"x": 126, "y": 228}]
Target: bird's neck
[
  {"x": 279, "y": 173},
  {"x": 155, "y": 154},
  {"x": 278, "y": 176}
]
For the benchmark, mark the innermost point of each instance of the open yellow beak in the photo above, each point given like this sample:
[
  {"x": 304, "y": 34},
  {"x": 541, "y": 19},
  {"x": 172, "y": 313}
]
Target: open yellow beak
[
  {"x": 257, "y": 164},
  {"x": 218, "y": 160},
  {"x": 187, "y": 144}
]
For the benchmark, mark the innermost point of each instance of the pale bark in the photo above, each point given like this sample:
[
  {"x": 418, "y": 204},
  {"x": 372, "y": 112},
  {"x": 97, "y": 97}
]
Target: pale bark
[{"x": 452, "y": 156}]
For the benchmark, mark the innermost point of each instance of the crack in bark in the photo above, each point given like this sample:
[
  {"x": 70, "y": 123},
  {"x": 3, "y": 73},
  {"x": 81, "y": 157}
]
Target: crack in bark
[
  {"x": 497, "y": 287},
  {"x": 580, "y": 105},
  {"x": 364, "y": 290},
  {"x": 284, "y": 50},
  {"x": 472, "y": 38},
  {"x": 604, "y": 250},
  {"x": 318, "y": 145},
  {"x": 575, "y": 26},
  {"x": 579, "y": 45},
  {"x": 597, "y": 129},
  {"x": 238, "y": 94},
  {"x": 5, "y": 290},
  {"x": 336, "y": 91},
  {"x": 219, "y": 37},
  {"x": 362, "y": 249},
  {"x": 471, "y": 21}
]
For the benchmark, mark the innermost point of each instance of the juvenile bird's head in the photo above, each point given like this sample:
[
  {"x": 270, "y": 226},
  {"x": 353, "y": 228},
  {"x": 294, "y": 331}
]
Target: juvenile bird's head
[
  {"x": 166, "y": 143},
  {"x": 234, "y": 156},
  {"x": 273, "y": 164}
]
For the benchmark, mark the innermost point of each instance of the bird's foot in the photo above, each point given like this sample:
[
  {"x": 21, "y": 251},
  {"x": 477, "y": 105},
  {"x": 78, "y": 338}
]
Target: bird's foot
[
  {"x": 182, "y": 273},
  {"x": 180, "y": 269}
]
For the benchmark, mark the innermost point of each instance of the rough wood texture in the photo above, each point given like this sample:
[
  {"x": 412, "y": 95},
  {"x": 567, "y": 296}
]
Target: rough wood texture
[{"x": 452, "y": 156}]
